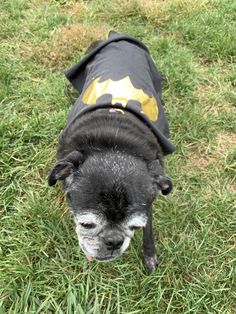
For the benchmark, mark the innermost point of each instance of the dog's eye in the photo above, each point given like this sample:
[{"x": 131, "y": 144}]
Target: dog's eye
[
  {"x": 87, "y": 225},
  {"x": 134, "y": 228}
]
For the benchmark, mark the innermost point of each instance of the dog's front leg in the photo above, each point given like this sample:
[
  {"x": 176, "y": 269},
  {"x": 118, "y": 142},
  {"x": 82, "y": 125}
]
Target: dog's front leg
[{"x": 150, "y": 258}]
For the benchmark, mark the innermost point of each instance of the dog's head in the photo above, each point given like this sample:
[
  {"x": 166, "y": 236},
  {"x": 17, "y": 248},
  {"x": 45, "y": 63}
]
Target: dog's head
[{"x": 110, "y": 195}]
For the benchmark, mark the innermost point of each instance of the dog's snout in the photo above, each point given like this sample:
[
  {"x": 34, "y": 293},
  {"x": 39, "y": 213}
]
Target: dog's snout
[{"x": 114, "y": 242}]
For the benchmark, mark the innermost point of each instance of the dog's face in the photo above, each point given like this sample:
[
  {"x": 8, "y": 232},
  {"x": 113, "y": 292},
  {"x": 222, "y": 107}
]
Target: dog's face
[
  {"x": 103, "y": 240},
  {"x": 110, "y": 196}
]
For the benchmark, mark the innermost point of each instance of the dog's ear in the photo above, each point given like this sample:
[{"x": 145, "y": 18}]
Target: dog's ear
[
  {"x": 160, "y": 180},
  {"x": 165, "y": 184},
  {"x": 65, "y": 167}
]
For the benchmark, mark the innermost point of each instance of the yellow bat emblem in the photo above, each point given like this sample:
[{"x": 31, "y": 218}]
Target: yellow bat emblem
[{"x": 121, "y": 91}]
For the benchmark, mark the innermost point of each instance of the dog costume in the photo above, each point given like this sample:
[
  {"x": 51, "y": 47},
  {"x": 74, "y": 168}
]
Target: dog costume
[{"x": 120, "y": 74}]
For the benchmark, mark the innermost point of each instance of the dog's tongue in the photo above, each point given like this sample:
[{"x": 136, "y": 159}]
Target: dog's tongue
[{"x": 90, "y": 258}]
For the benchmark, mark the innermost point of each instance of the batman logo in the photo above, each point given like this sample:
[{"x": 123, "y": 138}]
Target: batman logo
[{"x": 121, "y": 91}]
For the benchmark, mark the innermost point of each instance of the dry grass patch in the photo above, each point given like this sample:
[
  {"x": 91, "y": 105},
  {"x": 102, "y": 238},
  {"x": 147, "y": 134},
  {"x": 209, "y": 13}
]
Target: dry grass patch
[
  {"x": 215, "y": 153},
  {"x": 158, "y": 12},
  {"x": 200, "y": 159},
  {"x": 232, "y": 189},
  {"x": 212, "y": 99},
  {"x": 224, "y": 142},
  {"x": 75, "y": 9},
  {"x": 65, "y": 43},
  {"x": 36, "y": 3}
]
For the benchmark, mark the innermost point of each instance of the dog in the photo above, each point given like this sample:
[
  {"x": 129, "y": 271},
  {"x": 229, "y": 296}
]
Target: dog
[{"x": 110, "y": 155}]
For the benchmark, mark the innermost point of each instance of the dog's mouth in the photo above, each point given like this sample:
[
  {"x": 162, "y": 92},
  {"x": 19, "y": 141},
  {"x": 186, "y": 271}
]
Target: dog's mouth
[
  {"x": 90, "y": 258},
  {"x": 100, "y": 258},
  {"x": 105, "y": 258}
]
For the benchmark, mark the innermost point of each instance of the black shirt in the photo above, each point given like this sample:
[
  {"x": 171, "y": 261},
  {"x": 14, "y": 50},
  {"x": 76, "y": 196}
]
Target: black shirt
[{"x": 120, "y": 73}]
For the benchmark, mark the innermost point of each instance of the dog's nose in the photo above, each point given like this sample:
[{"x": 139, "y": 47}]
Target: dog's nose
[{"x": 114, "y": 242}]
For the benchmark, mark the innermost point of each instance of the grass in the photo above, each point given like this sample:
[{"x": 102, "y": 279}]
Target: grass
[{"x": 42, "y": 269}]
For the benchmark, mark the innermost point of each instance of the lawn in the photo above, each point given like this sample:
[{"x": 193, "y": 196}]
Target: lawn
[{"x": 42, "y": 269}]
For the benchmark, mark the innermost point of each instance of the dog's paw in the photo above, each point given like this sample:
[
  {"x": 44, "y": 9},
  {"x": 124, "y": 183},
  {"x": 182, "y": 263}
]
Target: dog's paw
[{"x": 150, "y": 262}]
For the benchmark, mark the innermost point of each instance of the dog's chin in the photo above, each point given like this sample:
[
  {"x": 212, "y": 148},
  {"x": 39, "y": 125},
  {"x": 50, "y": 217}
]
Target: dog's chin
[
  {"x": 100, "y": 258},
  {"x": 105, "y": 258}
]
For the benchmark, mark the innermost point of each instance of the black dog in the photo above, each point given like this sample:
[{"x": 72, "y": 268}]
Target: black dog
[{"x": 110, "y": 155}]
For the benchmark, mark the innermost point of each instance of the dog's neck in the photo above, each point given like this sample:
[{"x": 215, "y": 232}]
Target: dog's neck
[{"x": 103, "y": 130}]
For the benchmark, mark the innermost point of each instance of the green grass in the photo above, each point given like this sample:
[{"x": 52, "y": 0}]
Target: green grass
[{"x": 42, "y": 269}]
